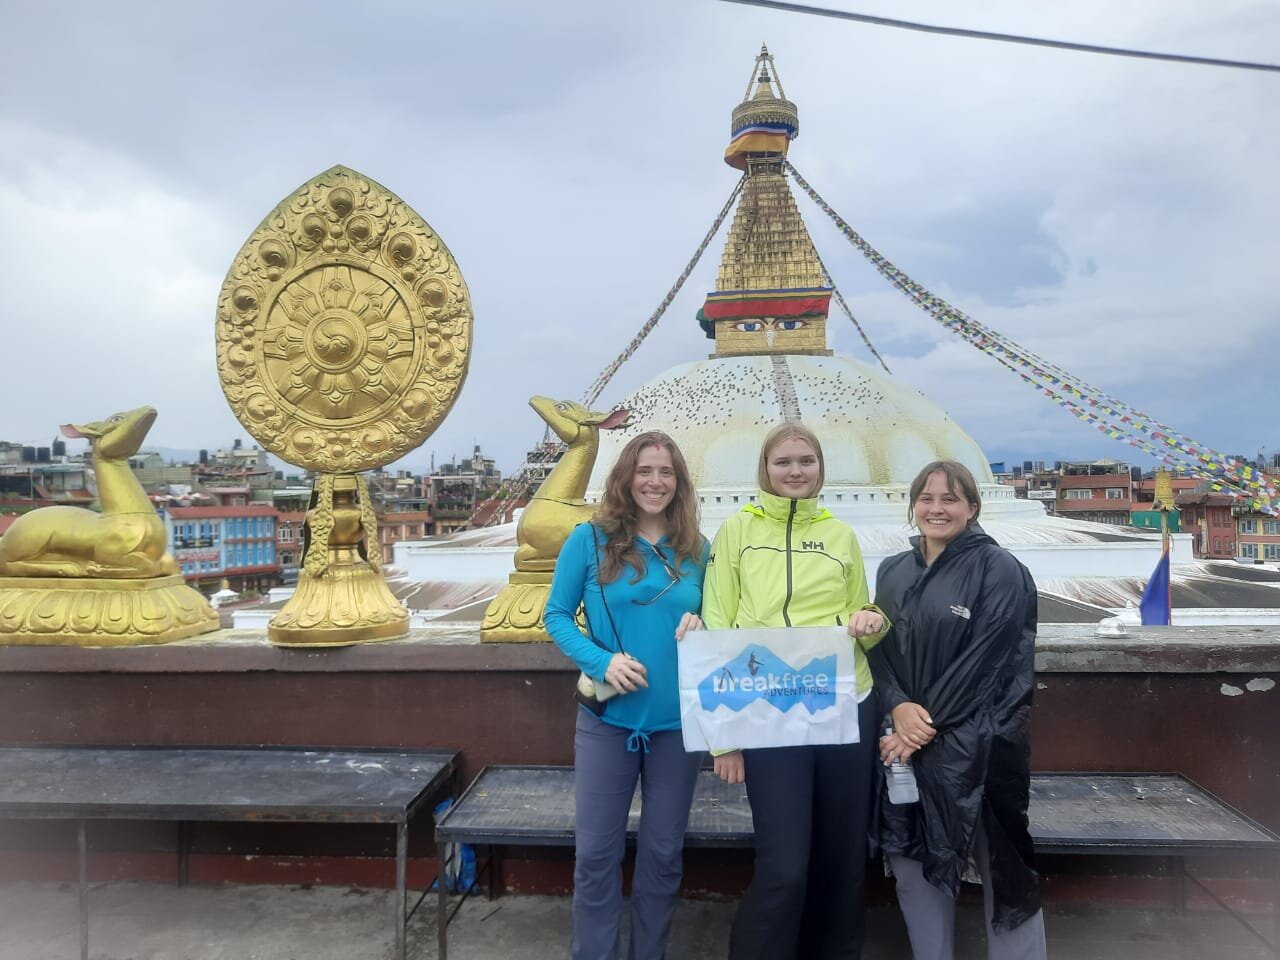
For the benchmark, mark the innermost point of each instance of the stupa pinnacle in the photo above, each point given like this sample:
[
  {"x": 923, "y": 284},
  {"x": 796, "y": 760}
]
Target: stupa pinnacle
[
  {"x": 770, "y": 294},
  {"x": 768, "y": 317}
]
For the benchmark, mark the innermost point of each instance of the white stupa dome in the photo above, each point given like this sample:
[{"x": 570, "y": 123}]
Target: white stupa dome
[
  {"x": 876, "y": 434},
  {"x": 874, "y": 431}
]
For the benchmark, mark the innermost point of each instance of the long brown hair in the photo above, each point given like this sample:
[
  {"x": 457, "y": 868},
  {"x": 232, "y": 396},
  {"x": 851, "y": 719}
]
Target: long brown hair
[
  {"x": 617, "y": 515},
  {"x": 959, "y": 481},
  {"x": 779, "y": 434}
]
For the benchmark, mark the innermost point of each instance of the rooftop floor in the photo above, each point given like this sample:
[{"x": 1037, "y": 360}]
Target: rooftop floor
[{"x": 146, "y": 921}]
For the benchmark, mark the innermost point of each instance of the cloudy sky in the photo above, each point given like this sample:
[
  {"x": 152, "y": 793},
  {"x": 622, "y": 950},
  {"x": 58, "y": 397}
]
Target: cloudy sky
[{"x": 1115, "y": 216}]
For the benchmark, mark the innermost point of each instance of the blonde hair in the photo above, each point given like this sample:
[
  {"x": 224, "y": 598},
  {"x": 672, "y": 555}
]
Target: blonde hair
[
  {"x": 780, "y": 434},
  {"x": 617, "y": 515}
]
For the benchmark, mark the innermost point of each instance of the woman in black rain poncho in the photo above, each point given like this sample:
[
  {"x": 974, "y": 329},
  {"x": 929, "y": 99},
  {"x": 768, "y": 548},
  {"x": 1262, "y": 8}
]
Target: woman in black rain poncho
[{"x": 954, "y": 676}]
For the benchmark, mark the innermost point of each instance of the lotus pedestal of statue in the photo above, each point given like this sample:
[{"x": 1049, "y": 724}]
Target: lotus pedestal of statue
[
  {"x": 96, "y": 612},
  {"x": 72, "y": 576},
  {"x": 341, "y": 596},
  {"x": 515, "y": 614}
]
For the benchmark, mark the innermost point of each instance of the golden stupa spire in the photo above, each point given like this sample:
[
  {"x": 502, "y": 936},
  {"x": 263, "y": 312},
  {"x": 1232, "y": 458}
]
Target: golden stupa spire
[{"x": 770, "y": 296}]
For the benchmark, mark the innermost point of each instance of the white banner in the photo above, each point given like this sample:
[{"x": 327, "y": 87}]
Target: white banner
[{"x": 780, "y": 687}]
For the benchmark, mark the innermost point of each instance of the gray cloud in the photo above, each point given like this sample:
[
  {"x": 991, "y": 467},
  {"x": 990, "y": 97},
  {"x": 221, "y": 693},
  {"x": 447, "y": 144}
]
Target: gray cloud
[{"x": 1114, "y": 216}]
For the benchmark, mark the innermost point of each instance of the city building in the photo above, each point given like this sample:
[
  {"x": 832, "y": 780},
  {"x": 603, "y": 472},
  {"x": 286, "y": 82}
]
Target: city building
[
  {"x": 455, "y": 490},
  {"x": 1210, "y": 519},
  {"x": 236, "y": 542},
  {"x": 1257, "y": 536}
]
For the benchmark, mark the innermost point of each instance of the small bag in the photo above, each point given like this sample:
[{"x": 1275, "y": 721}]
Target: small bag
[
  {"x": 592, "y": 694},
  {"x": 589, "y": 692},
  {"x": 596, "y": 689}
]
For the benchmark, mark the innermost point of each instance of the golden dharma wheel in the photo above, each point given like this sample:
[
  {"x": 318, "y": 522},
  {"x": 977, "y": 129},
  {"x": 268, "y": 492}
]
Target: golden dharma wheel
[{"x": 343, "y": 327}]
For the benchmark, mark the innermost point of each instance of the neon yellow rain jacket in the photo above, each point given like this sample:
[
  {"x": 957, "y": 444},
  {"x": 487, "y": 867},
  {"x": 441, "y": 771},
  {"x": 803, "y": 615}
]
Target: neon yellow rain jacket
[{"x": 787, "y": 563}]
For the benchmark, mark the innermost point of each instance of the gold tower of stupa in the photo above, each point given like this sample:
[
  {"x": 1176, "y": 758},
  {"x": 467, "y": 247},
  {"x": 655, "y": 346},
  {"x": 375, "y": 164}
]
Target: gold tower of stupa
[
  {"x": 768, "y": 317},
  {"x": 771, "y": 295}
]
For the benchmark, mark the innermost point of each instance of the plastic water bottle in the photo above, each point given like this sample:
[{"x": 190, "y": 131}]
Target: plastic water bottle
[{"x": 901, "y": 780}]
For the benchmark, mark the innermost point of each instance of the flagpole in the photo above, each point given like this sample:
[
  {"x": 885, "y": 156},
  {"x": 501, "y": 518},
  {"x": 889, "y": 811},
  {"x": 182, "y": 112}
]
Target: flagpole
[{"x": 1164, "y": 502}]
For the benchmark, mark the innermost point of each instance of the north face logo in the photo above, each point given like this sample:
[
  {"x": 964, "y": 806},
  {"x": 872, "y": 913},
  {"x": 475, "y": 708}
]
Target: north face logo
[{"x": 812, "y": 545}]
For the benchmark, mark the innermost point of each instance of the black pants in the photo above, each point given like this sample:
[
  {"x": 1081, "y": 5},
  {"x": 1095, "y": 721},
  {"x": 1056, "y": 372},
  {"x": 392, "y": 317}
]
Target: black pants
[{"x": 810, "y": 806}]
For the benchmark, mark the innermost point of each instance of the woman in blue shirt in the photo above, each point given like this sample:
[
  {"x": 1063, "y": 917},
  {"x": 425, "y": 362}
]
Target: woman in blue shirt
[{"x": 636, "y": 569}]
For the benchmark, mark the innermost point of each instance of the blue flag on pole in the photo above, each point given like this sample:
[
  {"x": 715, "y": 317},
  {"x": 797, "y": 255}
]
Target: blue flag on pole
[{"x": 1156, "y": 602}]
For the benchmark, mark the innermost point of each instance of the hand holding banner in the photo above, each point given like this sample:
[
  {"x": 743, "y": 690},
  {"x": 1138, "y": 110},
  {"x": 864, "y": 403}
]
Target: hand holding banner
[{"x": 777, "y": 687}]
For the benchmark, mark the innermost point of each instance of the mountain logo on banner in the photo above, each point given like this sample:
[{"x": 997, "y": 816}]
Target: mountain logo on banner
[{"x": 757, "y": 673}]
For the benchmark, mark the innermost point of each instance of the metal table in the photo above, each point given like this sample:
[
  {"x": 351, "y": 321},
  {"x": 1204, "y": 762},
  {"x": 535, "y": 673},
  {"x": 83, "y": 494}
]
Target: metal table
[
  {"x": 1151, "y": 814},
  {"x": 1163, "y": 815},
  {"x": 188, "y": 784}
]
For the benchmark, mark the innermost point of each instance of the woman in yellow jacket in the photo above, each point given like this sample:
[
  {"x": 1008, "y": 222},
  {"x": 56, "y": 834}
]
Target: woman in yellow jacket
[{"x": 786, "y": 562}]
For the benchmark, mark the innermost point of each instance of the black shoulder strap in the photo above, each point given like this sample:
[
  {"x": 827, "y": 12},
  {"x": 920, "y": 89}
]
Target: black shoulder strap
[{"x": 595, "y": 541}]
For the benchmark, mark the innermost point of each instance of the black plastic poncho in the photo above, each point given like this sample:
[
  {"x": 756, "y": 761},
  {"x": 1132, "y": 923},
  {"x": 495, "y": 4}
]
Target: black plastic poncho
[{"x": 962, "y": 646}]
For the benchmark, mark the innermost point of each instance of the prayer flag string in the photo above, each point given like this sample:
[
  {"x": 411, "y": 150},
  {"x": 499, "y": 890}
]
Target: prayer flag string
[{"x": 1116, "y": 419}]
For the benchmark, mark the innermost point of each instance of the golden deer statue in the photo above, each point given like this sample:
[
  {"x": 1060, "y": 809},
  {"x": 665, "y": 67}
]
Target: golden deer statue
[
  {"x": 126, "y": 540},
  {"x": 69, "y": 575},
  {"x": 515, "y": 614}
]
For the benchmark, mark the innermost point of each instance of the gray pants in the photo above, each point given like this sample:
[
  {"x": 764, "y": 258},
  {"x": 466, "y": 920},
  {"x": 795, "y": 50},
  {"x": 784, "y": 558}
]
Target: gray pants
[
  {"x": 604, "y": 782},
  {"x": 931, "y": 913}
]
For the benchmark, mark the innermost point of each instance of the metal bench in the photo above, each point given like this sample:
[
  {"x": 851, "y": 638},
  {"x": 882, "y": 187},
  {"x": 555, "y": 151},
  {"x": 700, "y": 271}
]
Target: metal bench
[
  {"x": 189, "y": 784},
  {"x": 1163, "y": 815}
]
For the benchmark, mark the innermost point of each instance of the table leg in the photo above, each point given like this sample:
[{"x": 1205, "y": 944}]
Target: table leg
[
  {"x": 1275, "y": 911},
  {"x": 1178, "y": 867},
  {"x": 442, "y": 903},
  {"x": 184, "y": 850},
  {"x": 402, "y": 857},
  {"x": 495, "y": 871},
  {"x": 83, "y": 846}
]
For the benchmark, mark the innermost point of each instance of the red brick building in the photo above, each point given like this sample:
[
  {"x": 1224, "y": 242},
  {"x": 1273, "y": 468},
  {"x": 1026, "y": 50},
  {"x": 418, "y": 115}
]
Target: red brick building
[
  {"x": 1101, "y": 492},
  {"x": 1208, "y": 518}
]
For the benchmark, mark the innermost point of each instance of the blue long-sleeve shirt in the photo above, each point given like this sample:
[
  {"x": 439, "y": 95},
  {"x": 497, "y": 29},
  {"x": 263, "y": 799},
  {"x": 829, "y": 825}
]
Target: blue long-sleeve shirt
[{"x": 647, "y": 629}]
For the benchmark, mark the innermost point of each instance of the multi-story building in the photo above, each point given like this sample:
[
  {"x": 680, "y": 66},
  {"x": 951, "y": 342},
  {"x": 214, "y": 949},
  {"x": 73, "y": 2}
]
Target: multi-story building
[
  {"x": 1037, "y": 484},
  {"x": 291, "y": 517},
  {"x": 1209, "y": 518},
  {"x": 235, "y": 542},
  {"x": 152, "y": 471},
  {"x": 289, "y": 543},
  {"x": 401, "y": 508},
  {"x": 400, "y": 520},
  {"x": 1257, "y": 535},
  {"x": 456, "y": 489},
  {"x": 1100, "y": 491}
]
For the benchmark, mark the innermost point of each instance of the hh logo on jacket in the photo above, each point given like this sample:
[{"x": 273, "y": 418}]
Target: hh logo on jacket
[{"x": 960, "y": 611}]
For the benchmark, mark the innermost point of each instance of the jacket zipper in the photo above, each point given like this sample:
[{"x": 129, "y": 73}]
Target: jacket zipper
[{"x": 786, "y": 603}]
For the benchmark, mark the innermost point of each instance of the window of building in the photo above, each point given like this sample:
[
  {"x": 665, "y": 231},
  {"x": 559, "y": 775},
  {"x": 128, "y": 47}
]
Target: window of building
[
  {"x": 1115, "y": 493},
  {"x": 1080, "y": 493},
  {"x": 1271, "y": 551},
  {"x": 1271, "y": 526},
  {"x": 286, "y": 534},
  {"x": 1217, "y": 544},
  {"x": 1248, "y": 526},
  {"x": 1249, "y": 551}
]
